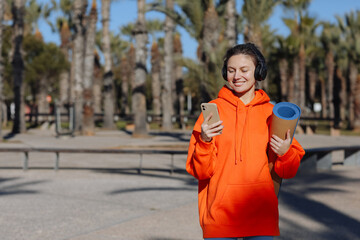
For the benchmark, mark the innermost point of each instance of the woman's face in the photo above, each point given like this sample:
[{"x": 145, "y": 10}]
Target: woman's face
[{"x": 240, "y": 73}]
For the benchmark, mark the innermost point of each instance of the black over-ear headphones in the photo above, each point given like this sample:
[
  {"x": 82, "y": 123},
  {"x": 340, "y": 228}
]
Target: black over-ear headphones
[{"x": 260, "y": 70}]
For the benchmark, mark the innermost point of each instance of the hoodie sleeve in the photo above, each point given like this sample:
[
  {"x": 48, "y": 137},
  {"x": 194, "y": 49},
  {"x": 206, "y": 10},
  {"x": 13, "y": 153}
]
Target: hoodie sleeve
[
  {"x": 201, "y": 155},
  {"x": 287, "y": 165}
]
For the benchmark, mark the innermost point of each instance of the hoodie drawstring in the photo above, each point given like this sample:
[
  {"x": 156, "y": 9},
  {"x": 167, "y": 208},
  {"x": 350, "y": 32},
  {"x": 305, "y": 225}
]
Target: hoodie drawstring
[
  {"x": 240, "y": 151},
  {"x": 237, "y": 140}
]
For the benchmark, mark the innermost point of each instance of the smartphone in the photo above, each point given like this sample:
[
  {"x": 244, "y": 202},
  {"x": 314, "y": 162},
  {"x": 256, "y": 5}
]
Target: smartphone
[{"x": 207, "y": 108}]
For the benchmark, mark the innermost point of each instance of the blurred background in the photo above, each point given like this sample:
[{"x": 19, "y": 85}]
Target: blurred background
[{"x": 142, "y": 65}]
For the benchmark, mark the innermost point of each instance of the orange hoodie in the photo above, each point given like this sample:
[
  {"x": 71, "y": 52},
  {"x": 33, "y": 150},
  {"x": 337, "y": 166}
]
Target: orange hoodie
[{"x": 236, "y": 192}]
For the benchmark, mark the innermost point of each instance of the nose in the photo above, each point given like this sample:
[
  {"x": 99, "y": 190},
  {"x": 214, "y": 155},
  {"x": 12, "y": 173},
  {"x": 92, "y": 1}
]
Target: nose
[{"x": 237, "y": 74}]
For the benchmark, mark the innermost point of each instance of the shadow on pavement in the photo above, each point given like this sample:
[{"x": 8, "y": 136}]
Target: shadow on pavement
[
  {"x": 16, "y": 188},
  {"x": 297, "y": 196}
]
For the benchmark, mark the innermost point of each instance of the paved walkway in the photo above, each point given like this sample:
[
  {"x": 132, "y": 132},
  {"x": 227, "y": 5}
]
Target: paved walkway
[{"x": 101, "y": 197}]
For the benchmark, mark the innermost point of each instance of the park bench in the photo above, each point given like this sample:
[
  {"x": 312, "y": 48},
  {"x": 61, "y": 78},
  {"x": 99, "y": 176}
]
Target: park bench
[
  {"x": 322, "y": 158},
  {"x": 314, "y": 159},
  {"x": 309, "y": 125}
]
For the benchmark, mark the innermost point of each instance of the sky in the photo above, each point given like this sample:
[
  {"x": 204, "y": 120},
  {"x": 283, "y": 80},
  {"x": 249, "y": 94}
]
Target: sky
[{"x": 125, "y": 11}]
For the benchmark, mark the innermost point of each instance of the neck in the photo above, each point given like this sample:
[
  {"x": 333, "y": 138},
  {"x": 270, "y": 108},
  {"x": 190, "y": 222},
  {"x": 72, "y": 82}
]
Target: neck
[{"x": 247, "y": 96}]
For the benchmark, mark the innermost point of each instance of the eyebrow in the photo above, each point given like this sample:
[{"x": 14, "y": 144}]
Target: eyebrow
[{"x": 246, "y": 66}]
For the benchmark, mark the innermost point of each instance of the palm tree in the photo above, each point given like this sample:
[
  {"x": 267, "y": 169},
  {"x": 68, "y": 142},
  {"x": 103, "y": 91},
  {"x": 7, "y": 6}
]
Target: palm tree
[
  {"x": 283, "y": 56},
  {"x": 1, "y": 64},
  {"x": 64, "y": 23},
  {"x": 64, "y": 80},
  {"x": 109, "y": 107},
  {"x": 231, "y": 20},
  {"x": 88, "y": 81},
  {"x": 179, "y": 81},
  {"x": 342, "y": 63},
  {"x": 97, "y": 86},
  {"x": 138, "y": 90},
  {"x": 256, "y": 12},
  {"x": 166, "y": 96},
  {"x": 127, "y": 78},
  {"x": 302, "y": 27},
  {"x": 18, "y": 10},
  {"x": 79, "y": 8},
  {"x": 155, "y": 78},
  {"x": 330, "y": 39},
  {"x": 352, "y": 37},
  {"x": 210, "y": 40},
  {"x": 201, "y": 20}
]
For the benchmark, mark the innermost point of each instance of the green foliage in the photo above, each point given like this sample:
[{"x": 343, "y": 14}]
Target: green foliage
[
  {"x": 42, "y": 60},
  {"x": 256, "y": 12}
]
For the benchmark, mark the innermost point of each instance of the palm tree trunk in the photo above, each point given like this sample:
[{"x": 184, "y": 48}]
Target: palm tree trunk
[
  {"x": 294, "y": 82},
  {"x": 43, "y": 105},
  {"x": 138, "y": 90},
  {"x": 1, "y": 66},
  {"x": 209, "y": 43},
  {"x": 109, "y": 103},
  {"x": 64, "y": 91},
  {"x": 357, "y": 104},
  {"x": 18, "y": 66},
  {"x": 230, "y": 17},
  {"x": 97, "y": 86},
  {"x": 302, "y": 72},
  {"x": 179, "y": 81},
  {"x": 125, "y": 75},
  {"x": 167, "y": 103},
  {"x": 342, "y": 93},
  {"x": 313, "y": 76},
  {"x": 155, "y": 77},
  {"x": 88, "y": 107},
  {"x": 330, "y": 66},
  {"x": 78, "y": 60},
  {"x": 324, "y": 108},
  {"x": 353, "y": 75},
  {"x": 284, "y": 78}
]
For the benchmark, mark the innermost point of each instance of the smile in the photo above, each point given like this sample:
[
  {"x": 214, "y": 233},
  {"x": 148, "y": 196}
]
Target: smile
[{"x": 239, "y": 82}]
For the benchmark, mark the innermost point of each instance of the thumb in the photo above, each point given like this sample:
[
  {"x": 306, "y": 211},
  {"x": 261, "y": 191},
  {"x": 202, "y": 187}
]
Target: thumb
[
  {"x": 208, "y": 117},
  {"x": 288, "y": 134}
]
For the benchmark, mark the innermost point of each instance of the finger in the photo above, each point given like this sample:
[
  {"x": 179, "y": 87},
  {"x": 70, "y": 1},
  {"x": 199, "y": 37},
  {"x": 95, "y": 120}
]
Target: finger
[
  {"x": 274, "y": 145},
  {"x": 276, "y": 138},
  {"x": 218, "y": 129},
  {"x": 274, "y": 150},
  {"x": 216, "y": 124}
]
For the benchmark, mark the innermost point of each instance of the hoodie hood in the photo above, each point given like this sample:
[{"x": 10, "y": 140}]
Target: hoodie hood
[{"x": 243, "y": 116}]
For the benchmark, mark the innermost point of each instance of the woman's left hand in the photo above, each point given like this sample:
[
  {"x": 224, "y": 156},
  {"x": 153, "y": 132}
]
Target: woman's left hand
[{"x": 279, "y": 146}]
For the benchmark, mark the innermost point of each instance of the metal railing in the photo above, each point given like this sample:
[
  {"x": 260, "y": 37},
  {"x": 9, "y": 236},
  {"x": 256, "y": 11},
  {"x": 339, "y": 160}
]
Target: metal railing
[
  {"x": 57, "y": 152},
  {"x": 314, "y": 159}
]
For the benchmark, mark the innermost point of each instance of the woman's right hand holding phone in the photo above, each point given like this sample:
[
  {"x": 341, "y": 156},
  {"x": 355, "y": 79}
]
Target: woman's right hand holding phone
[{"x": 208, "y": 131}]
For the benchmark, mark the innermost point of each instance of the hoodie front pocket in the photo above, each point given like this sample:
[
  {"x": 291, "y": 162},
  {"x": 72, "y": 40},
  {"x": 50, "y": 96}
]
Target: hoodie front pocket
[{"x": 247, "y": 205}]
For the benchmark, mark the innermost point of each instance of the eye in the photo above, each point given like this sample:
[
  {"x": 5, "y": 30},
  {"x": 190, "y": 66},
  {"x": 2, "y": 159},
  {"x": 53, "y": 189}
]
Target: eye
[{"x": 230, "y": 71}]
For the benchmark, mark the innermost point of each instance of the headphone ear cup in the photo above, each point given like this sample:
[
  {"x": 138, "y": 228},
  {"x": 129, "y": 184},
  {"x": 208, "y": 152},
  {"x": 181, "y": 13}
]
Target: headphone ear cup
[
  {"x": 224, "y": 72},
  {"x": 260, "y": 72},
  {"x": 257, "y": 73}
]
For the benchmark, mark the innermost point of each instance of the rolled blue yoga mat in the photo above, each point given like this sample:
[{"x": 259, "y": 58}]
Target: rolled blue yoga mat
[{"x": 285, "y": 116}]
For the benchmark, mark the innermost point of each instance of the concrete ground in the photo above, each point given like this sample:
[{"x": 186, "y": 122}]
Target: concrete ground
[{"x": 102, "y": 197}]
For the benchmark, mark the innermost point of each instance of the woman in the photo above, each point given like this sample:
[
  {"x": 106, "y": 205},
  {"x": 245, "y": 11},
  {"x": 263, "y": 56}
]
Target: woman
[{"x": 229, "y": 158}]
